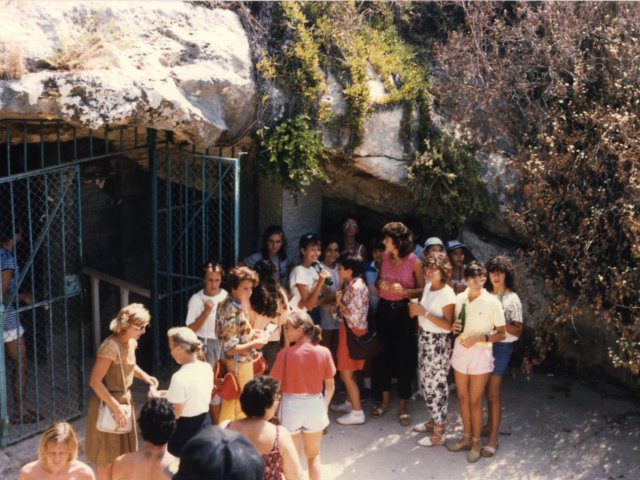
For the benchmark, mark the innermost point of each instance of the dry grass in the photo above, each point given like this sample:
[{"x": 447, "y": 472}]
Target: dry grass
[
  {"x": 95, "y": 46},
  {"x": 11, "y": 62}
]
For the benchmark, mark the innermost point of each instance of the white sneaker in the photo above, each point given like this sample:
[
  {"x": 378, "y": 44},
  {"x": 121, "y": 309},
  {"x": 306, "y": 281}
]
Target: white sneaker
[
  {"x": 341, "y": 407},
  {"x": 352, "y": 418}
]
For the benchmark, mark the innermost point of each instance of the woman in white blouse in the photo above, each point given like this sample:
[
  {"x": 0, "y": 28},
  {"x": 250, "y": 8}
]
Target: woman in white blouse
[
  {"x": 190, "y": 388},
  {"x": 435, "y": 316},
  {"x": 501, "y": 284}
]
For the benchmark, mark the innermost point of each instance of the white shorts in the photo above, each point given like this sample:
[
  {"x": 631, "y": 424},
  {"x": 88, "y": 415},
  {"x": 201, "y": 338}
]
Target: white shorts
[
  {"x": 13, "y": 334},
  {"x": 303, "y": 413}
]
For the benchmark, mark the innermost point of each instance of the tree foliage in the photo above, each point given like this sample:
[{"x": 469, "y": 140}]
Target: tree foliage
[{"x": 560, "y": 82}]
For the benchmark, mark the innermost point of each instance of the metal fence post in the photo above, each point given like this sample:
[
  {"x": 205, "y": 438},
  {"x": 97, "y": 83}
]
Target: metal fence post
[
  {"x": 236, "y": 220},
  {"x": 4, "y": 414},
  {"x": 155, "y": 305}
]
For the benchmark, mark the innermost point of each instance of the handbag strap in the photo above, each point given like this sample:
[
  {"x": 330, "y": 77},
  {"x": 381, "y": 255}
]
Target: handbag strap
[{"x": 124, "y": 386}]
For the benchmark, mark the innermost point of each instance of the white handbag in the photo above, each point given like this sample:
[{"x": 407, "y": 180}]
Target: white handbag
[{"x": 107, "y": 420}]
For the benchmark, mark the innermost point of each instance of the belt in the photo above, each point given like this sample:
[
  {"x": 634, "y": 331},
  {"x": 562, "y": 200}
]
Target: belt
[{"x": 395, "y": 304}]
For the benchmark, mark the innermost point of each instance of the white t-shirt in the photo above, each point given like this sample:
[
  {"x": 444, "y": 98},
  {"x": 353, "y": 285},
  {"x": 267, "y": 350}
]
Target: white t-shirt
[
  {"x": 433, "y": 301},
  {"x": 192, "y": 386},
  {"x": 301, "y": 275},
  {"x": 482, "y": 315},
  {"x": 512, "y": 312},
  {"x": 196, "y": 307}
]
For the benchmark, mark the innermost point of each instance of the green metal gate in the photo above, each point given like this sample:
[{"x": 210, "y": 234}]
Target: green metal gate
[
  {"x": 193, "y": 217},
  {"x": 197, "y": 220},
  {"x": 43, "y": 208}
]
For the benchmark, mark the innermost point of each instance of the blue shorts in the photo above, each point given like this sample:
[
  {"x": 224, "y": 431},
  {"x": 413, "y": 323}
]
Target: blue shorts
[
  {"x": 501, "y": 357},
  {"x": 303, "y": 413}
]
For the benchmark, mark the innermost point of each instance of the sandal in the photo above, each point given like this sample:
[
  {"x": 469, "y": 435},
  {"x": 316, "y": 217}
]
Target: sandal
[
  {"x": 405, "y": 419},
  {"x": 426, "y": 427},
  {"x": 473, "y": 455},
  {"x": 378, "y": 411},
  {"x": 461, "y": 445},
  {"x": 435, "y": 439},
  {"x": 488, "y": 451}
]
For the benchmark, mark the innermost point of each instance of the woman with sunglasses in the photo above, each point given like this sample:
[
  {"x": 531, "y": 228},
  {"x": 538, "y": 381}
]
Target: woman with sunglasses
[
  {"x": 116, "y": 358},
  {"x": 303, "y": 370},
  {"x": 350, "y": 230},
  {"x": 260, "y": 400}
]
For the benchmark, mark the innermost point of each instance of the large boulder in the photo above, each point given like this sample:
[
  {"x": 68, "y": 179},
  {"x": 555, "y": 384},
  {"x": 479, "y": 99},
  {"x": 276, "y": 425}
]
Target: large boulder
[{"x": 166, "y": 65}]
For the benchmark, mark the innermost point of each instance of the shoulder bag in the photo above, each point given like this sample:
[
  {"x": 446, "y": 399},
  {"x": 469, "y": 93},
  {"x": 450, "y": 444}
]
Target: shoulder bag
[{"x": 106, "y": 418}]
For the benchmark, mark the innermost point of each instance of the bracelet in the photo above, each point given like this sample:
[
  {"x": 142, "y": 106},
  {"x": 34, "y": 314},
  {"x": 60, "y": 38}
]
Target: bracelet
[{"x": 486, "y": 338}]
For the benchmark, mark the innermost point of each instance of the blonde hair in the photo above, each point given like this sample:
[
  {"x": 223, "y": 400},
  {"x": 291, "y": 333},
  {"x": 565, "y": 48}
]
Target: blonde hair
[
  {"x": 133, "y": 314},
  {"x": 301, "y": 319},
  {"x": 61, "y": 432},
  {"x": 185, "y": 338}
]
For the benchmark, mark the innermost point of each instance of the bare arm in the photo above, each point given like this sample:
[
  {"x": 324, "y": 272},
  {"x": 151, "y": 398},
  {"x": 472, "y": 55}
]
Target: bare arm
[
  {"x": 200, "y": 319},
  {"x": 419, "y": 278},
  {"x": 100, "y": 368},
  {"x": 178, "y": 408},
  {"x": 144, "y": 376},
  {"x": 6, "y": 280},
  {"x": 329, "y": 389},
  {"x": 291, "y": 461},
  {"x": 515, "y": 329}
]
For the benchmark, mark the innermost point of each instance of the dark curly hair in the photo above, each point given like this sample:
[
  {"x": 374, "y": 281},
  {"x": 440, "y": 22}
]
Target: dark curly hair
[
  {"x": 157, "y": 421},
  {"x": 258, "y": 395},
  {"x": 439, "y": 260},
  {"x": 503, "y": 264},
  {"x": 265, "y": 297},
  {"x": 401, "y": 237}
]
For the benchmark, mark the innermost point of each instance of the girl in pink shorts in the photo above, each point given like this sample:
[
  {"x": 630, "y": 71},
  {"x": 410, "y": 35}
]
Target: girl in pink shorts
[{"x": 479, "y": 323}]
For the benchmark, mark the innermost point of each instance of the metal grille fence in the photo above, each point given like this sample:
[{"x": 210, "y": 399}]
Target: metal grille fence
[
  {"x": 194, "y": 217},
  {"x": 197, "y": 221},
  {"x": 43, "y": 378}
]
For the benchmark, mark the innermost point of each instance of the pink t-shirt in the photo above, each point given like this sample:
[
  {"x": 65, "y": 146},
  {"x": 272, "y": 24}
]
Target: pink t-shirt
[
  {"x": 308, "y": 366},
  {"x": 402, "y": 274}
]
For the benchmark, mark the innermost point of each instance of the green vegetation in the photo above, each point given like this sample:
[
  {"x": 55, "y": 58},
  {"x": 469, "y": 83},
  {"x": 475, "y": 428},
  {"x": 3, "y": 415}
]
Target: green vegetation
[
  {"x": 353, "y": 42},
  {"x": 559, "y": 80}
]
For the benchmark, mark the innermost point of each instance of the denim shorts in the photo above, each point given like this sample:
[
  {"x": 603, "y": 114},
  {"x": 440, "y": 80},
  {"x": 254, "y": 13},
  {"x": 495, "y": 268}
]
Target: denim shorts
[
  {"x": 303, "y": 413},
  {"x": 501, "y": 357}
]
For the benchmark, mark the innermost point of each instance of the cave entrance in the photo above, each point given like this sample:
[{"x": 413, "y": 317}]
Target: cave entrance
[{"x": 106, "y": 217}]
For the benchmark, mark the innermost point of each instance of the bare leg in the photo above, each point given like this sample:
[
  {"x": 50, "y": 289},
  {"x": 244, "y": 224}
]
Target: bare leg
[
  {"x": 495, "y": 409},
  {"x": 297, "y": 442},
  {"x": 17, "y": 351},
  {"x": 477, "y": 384},
  {"x": 214, "y": 413},
  {"x": 312, "y": 443},
  {"x": 462, "y": 390},
  {"x": 353, "y": 393}
]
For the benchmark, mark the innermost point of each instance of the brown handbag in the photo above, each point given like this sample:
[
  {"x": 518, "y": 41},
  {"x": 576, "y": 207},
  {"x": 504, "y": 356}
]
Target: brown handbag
[{"x": 226, "y": 384}]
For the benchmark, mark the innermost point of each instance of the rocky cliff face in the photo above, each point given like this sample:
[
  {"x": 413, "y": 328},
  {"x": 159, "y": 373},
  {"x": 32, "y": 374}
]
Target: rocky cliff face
[{"x": 168, "y": 65}]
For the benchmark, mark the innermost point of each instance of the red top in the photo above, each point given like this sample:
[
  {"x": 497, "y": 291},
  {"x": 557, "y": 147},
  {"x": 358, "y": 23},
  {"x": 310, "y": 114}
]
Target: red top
[
  {"x": 402, "y": 274},
  {"x": 307, "y": 366}
]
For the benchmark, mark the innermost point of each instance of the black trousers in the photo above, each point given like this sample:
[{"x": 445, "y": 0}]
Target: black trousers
[
  {"x": 398, "y": 356},
  {"x": 186, "y": 428}
]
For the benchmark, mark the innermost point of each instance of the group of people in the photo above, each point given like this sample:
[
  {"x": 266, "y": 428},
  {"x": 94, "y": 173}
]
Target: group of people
[{"x": 431, "y": 307}]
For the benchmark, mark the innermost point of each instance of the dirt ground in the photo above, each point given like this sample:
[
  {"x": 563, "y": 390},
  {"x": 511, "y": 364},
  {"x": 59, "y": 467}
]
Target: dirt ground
[{"x": 553, "y": 428}]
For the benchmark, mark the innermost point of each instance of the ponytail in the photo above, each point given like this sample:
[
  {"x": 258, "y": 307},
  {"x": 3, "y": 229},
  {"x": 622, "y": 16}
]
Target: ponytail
[
  {"x": 315, "y": 334},
  {"x": 301, "y": 319}
]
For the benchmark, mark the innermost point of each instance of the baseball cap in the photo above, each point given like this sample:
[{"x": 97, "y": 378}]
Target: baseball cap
[
  {"x": 215, "y": 453},
  {"x": 453, "y": 244}
]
